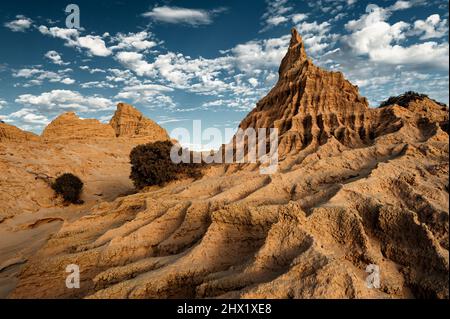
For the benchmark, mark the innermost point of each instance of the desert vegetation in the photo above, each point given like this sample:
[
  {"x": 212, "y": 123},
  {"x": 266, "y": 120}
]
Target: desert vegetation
[
  {"x": 151, "y": 165},
  {"x": 405, "y": 98},
  {"x": 69, "y": 187}
]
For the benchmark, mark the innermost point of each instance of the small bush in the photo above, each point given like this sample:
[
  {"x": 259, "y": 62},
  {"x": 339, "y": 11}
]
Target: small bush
[
  {"x": 69, "y": 187},
  {"x": 407, "y": 97},
  {"x": 151, "y": 165}
]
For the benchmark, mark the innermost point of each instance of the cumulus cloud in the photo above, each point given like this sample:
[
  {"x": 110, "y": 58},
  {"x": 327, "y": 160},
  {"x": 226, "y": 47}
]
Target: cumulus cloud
[
  {"x": 371, "y": 35},
  {"x": 254, "y": 55},
  {"x": 401, "y": 5},
  {"x": 253, "y": 82},
  {"x": 57, "y": 101},
  {"x": 134, "y": 41},
  {"x": 91, "y": 70},
  {"x": 68, "y": 81},
  {"x": 277, "y": 13},
  {"x": 150, "y": 94},
  {"x": 313, "y": 27},
  {"x": 70, "y": 35},
  {"x": 296, "y": 18},
  {"x": 276, "y": 20},
  {"x": 179, "y": 15},
  {"x": 56, "y": 58},
  {"x": 195, "y": 75},
  {"x": 280, "y": 12},
  {"x": 432, "y": 27},
  {"x": 37, "y": 76},
  {"x": 28, "y": 116},
  {"x": 94, "y": 44},
  {"x": 97, "y": 85},
  {"x": 21, "y": 24},
  {"x": 135, "y": 62},
  {"x": 213, "y": 76},
  {"x": 2, "y": 103}
]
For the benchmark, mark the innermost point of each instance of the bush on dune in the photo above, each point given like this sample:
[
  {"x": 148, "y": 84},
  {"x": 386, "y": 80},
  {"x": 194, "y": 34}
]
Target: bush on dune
[
  {"x": 151, "y": 165},
  {"x": 69, "y": 187}
]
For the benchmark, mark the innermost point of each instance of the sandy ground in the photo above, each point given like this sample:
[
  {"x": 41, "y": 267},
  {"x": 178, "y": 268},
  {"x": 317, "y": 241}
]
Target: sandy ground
[
  {"x": 30, "y": 213},
  {"x": 308, "y": 231}
]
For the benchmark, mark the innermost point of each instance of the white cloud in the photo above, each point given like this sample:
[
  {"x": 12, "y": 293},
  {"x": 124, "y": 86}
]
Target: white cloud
[
  {"x": 253, "y": 82},
  {"x": 432, "y": 27},
  {"x": 94, "y": 44},
  {"x": 276, "y": 20},
  {"x": 148, "y": 88},
  {"x": 97, "y": 84},
  {"x": 152, "y": 95},
  {"x": 263, "y": 54},
  {"x": 2, "y": 103},
  {"x": 26, "y": 73},
  {"x": 423, "y": 53},
  {"x": 371, "y": 35},
  {"x": 401, "y": 5},
  {"x": 70, "y": 35},
  {"x": 135, "y": 62},
  {"x": 134, "y": 41},
  {"x": 179, "y": 15},
  {"x": 195, "y": 75},
  {"x": 219, "y": 102},
  {"x": 28, "y": 116},
  {"x": 296, "y": 18},
  {"x": 277, "y": 12},
  {"x": 68, "y": 81},
  {"x": 316, "y": 36},
  {"x": 210, "y": 76},
  {"x": 313, "y": 27},
  {"x": 56, "y": 58},
  {"x": 57, "y": 101},
  {"x": 21, "y": 24},
  {"x": 36, "y": 76},
  {"x": 122, "y": 76},
  {"x": 91, "y": 70}
]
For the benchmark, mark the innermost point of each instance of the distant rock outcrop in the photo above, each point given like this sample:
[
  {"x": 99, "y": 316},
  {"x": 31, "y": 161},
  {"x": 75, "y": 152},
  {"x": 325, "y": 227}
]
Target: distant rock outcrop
[
  {"x": 11, "y": 133},
  {"x": 86, "y": 147},
  {"x": 69, "y": 126},
  {"x": 129, "y": 122}
]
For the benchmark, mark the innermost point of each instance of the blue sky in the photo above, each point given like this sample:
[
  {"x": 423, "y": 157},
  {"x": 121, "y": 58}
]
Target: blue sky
[{"x": 179, "y": 61}]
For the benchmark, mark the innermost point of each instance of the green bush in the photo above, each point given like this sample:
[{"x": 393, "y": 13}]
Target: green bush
[
  {"x": 69, "y": 187},
  {"x": 151, "y": 165}
]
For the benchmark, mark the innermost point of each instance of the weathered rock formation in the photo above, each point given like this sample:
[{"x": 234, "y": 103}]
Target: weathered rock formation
[
  {"x": 309, "y": 104},
  {"x": 85, "y": 147},
  {"x": 10, "y": 133},
  {"x": 69, "y": 126},
  {"x": 129, "y": 122},
  {"x": 29, "y": 209}
]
